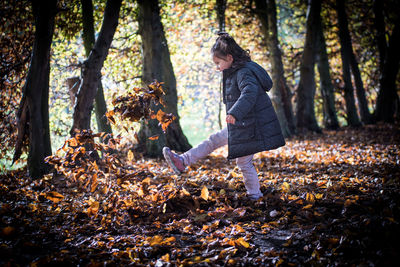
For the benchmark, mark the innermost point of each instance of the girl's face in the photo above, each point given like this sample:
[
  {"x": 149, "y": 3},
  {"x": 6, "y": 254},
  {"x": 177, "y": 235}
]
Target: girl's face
[{"x": 223, "y": 63}]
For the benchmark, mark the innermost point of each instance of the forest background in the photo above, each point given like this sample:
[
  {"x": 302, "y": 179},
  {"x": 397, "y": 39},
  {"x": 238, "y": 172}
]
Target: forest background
[
  {"x": 74, "y": 196},
  {"x": 190, "y": 28}
]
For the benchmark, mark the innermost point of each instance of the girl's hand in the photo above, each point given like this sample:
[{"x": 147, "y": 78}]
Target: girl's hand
[{"x": 230, "y": 119}]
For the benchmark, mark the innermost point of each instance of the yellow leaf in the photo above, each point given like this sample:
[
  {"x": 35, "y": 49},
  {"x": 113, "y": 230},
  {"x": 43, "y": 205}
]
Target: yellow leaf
[
  {"x": 185, "y": 192},
  {"x": 94, "y": 208},
  {"x": 310, "y": 197},
  {"x": 131, "y": 157},
  {"x": 155, "y": 240},
  {"x": 285, "y": 187},
  {"x": 140, "y": 192},
  {"x": 234, "y": 174},
  {"x": 238, "y": 229},
  {"x": 241, "y": 242},
  {"x": 307, "y": 206},
  {"x": 166, "y": 258},
  {"x": 159, "y": 240},
  {"x": 319, "y": 196},
  {"x": 169, "y": 240},
  {"x": 204, "y": 193}
]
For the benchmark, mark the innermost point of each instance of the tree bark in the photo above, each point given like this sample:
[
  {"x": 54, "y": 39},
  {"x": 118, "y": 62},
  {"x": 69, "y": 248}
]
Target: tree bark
[
  {"x": 345, "y": 51},
  {"x": 387, "y": 95},
  {"x": 366, "y": 116},
  {"x": 100, "y": 107},
  {"x": 221, "y": 7},
  {"x": 281, "y": 95},
  {"x": 91, "y": 74},
  {"x": 157, "y": 66},
  {"x": 305, "y": 113},
  {"x": 362, "y": 99},
  {"x": 327, "y": 92},
  {"x": 380, "y": 32},
  {"x": 34, "y": 109}
]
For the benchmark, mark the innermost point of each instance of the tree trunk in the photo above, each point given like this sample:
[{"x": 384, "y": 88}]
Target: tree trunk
[
  {"x": 305, "y": 113},
  {"x": 345, "y": 51},
  {"x": 387, "y": 96},
  {"x": 91, "y": 75},
  {"x": 366, "y": 116},
  {"x": 157, "y": 66},
  {"x": 100, "y": 107},
  {"x": 281, "y": 95},
  {"x": 362, "y": 100},
  {"x": 221, "y": 7},
  {"x": 380, "y": 32},
  {"x": 328, "y": 97},
  {"x": 34, "y": 108}
]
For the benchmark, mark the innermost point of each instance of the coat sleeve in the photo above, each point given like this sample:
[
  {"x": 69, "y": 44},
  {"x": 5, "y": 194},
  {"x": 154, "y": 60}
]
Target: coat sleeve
[{"x": 248, "y": 86}]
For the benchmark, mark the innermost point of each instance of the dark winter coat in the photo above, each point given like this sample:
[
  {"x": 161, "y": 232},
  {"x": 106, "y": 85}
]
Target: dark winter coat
[{"x": 257, "y": 127}]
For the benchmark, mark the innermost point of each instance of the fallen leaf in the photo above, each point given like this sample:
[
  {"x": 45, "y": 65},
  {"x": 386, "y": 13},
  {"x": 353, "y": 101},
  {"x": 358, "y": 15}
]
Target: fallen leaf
[{"x": 204, "y": 193}]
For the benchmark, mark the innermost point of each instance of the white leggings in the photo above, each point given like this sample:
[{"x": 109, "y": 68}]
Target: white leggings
[{"x": 245, "y": 163}]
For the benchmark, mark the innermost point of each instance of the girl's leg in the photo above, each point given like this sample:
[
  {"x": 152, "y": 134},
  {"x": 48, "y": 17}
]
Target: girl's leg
[
  {"x": 178, "y": 163},
  {"x": 203, "y": 149},
  {"x": 250, "y": 176}
]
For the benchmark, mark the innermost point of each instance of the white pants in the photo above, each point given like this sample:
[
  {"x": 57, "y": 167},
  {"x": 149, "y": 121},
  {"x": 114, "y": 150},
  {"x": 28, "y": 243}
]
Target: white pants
[{"x": 245, "y": 163}]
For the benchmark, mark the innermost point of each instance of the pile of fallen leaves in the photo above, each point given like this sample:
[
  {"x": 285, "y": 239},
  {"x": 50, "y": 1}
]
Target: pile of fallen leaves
[{"x": 329, "y": 199}]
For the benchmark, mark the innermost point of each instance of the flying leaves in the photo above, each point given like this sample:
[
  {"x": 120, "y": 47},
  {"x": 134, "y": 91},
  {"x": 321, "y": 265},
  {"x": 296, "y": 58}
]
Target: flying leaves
[{"x": 140, "y": 104}]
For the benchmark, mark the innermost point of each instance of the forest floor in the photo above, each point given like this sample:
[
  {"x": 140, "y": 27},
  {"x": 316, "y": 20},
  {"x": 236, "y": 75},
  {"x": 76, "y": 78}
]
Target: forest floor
[{"x": 329, "y": 199}]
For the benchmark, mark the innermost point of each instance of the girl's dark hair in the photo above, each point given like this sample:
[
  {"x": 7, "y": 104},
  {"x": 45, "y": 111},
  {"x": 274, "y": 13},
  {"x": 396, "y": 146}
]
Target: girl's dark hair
[{"x": 225, "y": 45}]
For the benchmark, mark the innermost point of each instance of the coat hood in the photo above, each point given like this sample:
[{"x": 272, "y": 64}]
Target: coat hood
[{"x": 262, "y": 76}]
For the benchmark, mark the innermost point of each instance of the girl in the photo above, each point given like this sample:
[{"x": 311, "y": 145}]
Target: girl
[{"x": 252, "y": 124}]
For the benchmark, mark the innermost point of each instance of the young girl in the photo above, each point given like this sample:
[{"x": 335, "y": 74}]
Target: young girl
[{"x": 252, "y": 124}]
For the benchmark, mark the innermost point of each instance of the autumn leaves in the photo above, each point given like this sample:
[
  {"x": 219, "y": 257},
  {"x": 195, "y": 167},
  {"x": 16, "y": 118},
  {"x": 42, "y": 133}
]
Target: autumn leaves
[{"x": 137, "y": 105}]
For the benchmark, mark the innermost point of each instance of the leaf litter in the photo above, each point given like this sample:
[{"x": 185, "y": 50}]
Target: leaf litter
[{"x": 330, "y": 199}]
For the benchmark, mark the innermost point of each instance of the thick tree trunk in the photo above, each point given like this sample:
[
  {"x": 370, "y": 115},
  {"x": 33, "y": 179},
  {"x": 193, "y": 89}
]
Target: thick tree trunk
[
  {"x": 328, "y": 97},
  {"x": 91, "y": 75},
  {"x": 157, "y": 66},
  {"x": 387, "y": 96},
  {"x": 34, "y": 108},
  {"x": 281, "y": 95},
  {"x": 100, "y": 107},
  {"x": 305, "y": 113},
  {"x": 345, "y": 51}
]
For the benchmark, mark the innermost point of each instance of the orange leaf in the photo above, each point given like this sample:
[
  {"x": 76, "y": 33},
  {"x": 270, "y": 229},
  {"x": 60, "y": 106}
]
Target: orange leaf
[
  {"x": 154, "y": 137},
  {"x": 53, "y": 196}
]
